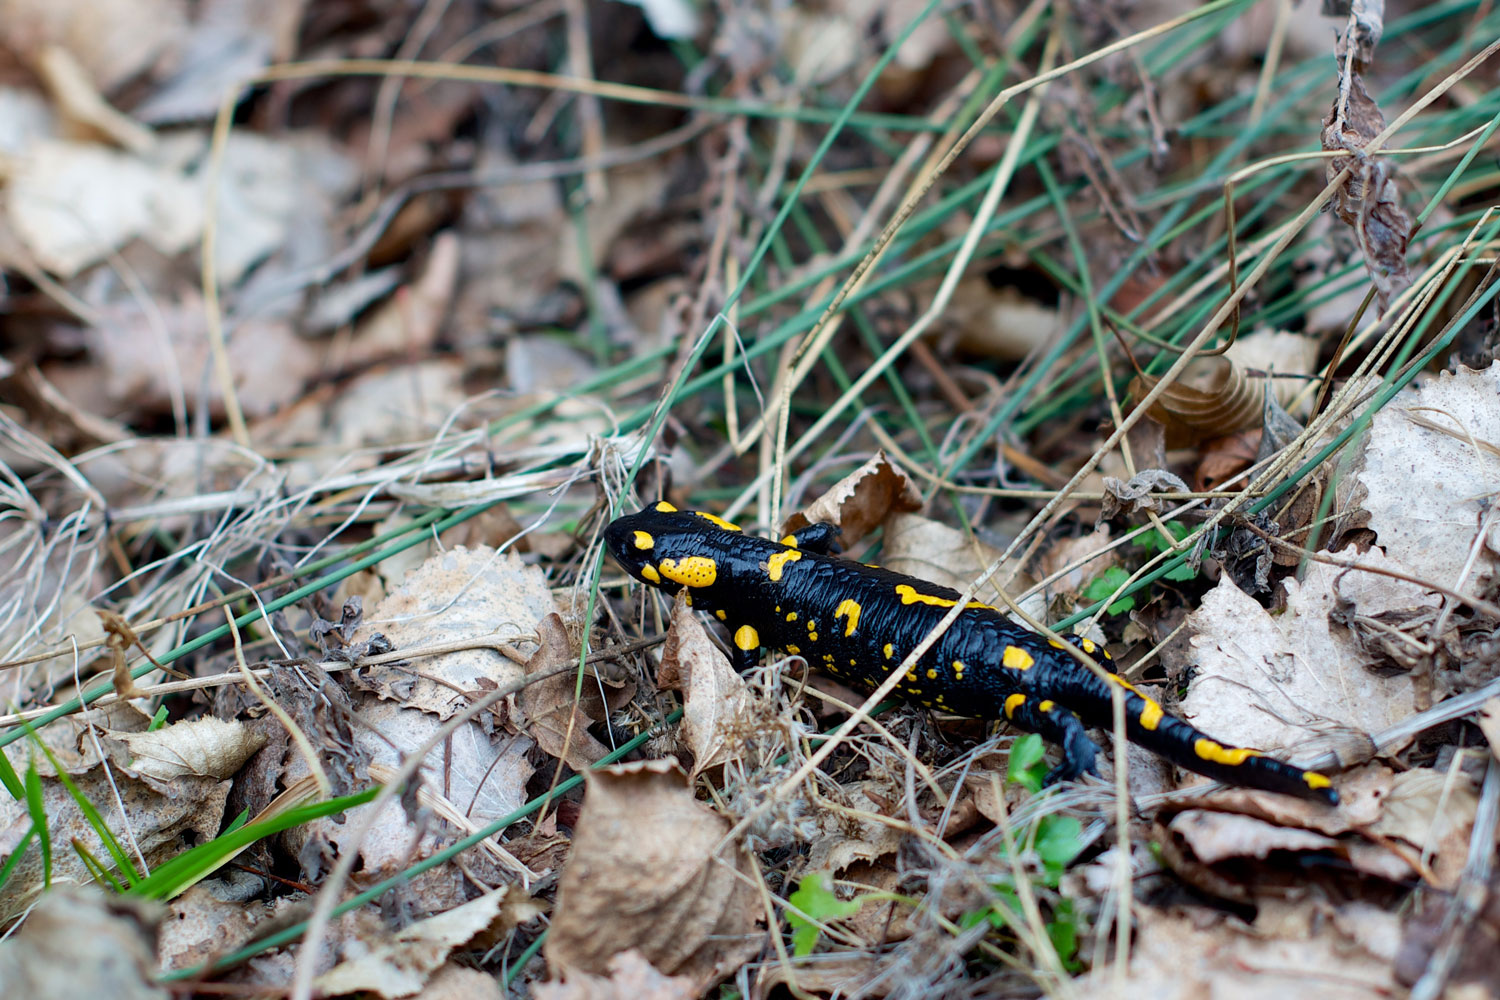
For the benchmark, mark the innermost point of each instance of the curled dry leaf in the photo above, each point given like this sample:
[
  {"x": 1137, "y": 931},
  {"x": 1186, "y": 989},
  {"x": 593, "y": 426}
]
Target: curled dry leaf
[
  {"x": 400, "y": 965},
  {"x": 714, "y": 696},
  {"x": 1270, "y": 681},
  {"x": 1368, "y": 202},
  {"x": 1433, "y": 811},
  {"x": 1211, "y": 398},
  {"x": 1134, "y": 498},
  {"x": 1444, "y": 436},
  {"x": 650, "y": 871},
  {"x": 630, "y": 977},
  {"x": 861, "y": 500},
  {"x": 550, "y": 710},
  {"x": 79, "y": 942},
  {"x": 207, "y": 747}
]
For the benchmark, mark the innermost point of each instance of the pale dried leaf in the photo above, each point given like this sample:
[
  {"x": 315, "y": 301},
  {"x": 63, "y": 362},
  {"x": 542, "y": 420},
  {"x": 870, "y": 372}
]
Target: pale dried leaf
[
  {"x": 1000, "y": 322},
  {"x": 1434, "y": 812},
  {"x": 846, "y": 837},
  {"x": 861, "y": 500},
  {"x": 645, "y": 847},
  {"x": 85, "y": 113},
  {"x": 208, "y": 747},
  {"x": 1432, "y": 530},
  {"x": 1217, "y": 836},
  {"x": 1133, "y": 498},
  {"x": 73, "y": 204},
  {"x": 1269, "y": 682},
  {"x": 114, "y": 40},
  {"x": 714, "y": 696},
  {"x": 921, "y": 547},
  {"x": 400, "y": 965},
  {"x": 630, "y": 977}
]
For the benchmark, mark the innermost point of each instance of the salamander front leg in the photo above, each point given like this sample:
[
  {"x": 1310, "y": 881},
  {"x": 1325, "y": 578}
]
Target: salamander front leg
[{"x": 1056, "y": 725}]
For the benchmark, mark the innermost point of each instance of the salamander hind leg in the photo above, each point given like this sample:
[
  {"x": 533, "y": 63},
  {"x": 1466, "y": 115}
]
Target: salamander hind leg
[{"x": 1058, "y": 725}]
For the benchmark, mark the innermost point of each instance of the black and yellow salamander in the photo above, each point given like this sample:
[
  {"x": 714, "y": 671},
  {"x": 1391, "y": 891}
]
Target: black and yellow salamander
[{"x": 858, "y": 622}]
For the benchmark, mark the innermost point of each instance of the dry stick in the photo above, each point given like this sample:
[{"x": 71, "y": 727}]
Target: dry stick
[{"x": 317, "y": 924}]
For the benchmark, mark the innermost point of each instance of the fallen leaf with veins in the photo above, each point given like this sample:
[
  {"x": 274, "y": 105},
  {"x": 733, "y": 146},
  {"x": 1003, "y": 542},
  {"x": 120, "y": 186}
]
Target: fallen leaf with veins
[
  {"x": 546, "y": 707},
  {"x": 650, "y": 870},
  {"x": 860, "y": 501}
]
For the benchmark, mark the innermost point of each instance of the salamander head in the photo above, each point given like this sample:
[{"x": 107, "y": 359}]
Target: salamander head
[{"x": 665, "y": 547}]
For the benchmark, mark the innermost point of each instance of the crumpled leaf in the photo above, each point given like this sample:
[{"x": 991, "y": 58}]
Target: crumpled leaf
[
  {"x": 714, "y": 696},
  {"x": 207, "y": 747},
  {"x": 547, "y": 706},
  {"x": 1134, "y": 497},
  {"x": 861, "y": 500},
  {"x": 919, "y": 546},
  {"x": 1369, "y": 201},
  {"x": 650, "y": 871},
  {"x": 400, "y": 965}
]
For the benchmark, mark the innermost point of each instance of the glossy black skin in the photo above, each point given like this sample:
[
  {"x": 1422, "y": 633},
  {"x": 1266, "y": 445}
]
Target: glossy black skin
[{"x": 1054, "y": 695}]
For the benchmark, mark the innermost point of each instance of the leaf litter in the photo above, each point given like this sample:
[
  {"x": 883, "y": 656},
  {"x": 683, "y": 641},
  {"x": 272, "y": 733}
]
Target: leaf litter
[{"x": 431, "y": 293}]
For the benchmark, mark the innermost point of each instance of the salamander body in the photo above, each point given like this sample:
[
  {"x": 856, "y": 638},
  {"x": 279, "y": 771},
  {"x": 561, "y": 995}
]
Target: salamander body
[{"x": 858, "y": 622}]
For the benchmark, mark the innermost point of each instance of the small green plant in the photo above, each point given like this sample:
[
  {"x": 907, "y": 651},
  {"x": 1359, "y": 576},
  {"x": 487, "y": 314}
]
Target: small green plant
[
  {"x": 1056, "y": 841},
  {"x": 815, "y": 897},
  {"x": 1149, "y": 542}
]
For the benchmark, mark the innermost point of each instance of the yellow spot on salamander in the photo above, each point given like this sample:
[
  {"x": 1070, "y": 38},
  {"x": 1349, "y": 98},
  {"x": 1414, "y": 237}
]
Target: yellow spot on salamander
[
  {"x": 718, "y": 521},
  {"x": 790, "y": 541},
  {"x": 812, "y": 636},
  {"x": 889, "y": 651},
  {"x": 643, "y": 540},
  {"x": 853, "y": 662},
  {"x": 958, "y": 670},
  {"x": 909, "y": 595},
  {"x": 1218, "y": 754},
  {"x": 911, "y": 675},
  {"x": 848, "y": 608},
  {"x": 1056, "y": 645},
  {"x": 649, "y": 574},
  {"x": 1088, "y": 646},
  {"x": 721, "y": 615},
  {"x": 690, "y": 571},
  {"x": 1151, "y": 715},
  {"x": 747, "y": 638},
  {"x": 791, "y": 616},
  {"x": 777, "y": 563},
  {"x": 1046, "y": 706},
  {"x": 1012, "y": 703},
  {"x": 666, "y": 508},
  {"x": 1315, "y": 780},
  {"x": 932, "y": 673},
  {"x": 1017, "y": 658},
  {"x": 794, "y": 650}
]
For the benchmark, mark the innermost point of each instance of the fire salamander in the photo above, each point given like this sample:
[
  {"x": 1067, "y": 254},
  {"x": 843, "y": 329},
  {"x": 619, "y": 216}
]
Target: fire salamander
[{"x": 858, "y": 623}]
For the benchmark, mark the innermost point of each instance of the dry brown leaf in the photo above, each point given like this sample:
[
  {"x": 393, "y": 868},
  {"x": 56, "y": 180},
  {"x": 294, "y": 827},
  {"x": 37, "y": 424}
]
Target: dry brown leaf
[
  {"x": 85, "y": 113},
  {"x": 201, "y": 925},
  {"x": 400, "y": 964},
  {"x": 846, "y": 837},
  {"x": 714, "y": 696},
  {"x": 1369, "y": 201},
  {"x": 649, "y": 871},
  {"x": 1442, "y": 436},
  {"x": 72, "y": 204},
  {"x": 860, "y": 501},
  {"x": 1133, "y": 498},
  {"x": 407, "y": 324},
  {"x": 630, "y": 977},
  {"x": 1000, "y": 322},
  {"x": 79, "y": 942},
  {"x": 207, "y": 747},
  {"x": 457, "y": 982},
  {"x": 549, "y": 712},
  {"x": 1489, "y": 724},
  {"x": 1269, "y": 682},
  {"x": 921, "y": 547},
  {"x": 1217, "y": 836},
  {"x": 1211, "y": 398},
  {"x": 1434, "y": 812},
  {"x": 1196, "y": 956},
  {"x": 1279, "y": 352}
]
